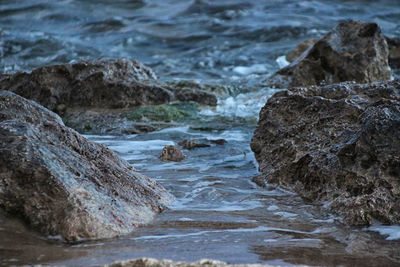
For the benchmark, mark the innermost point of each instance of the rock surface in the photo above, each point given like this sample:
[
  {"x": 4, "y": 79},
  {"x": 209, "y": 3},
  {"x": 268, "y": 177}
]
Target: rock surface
[
  {"x": 300, "y": 49},
  {"x": 352, "y": 51},
  {"x": 191, "y": 144},
  {"x": 149, "y": 262},
  {"x": 63, "y": 184},
  {"x": 100, "y": 85},
  {"x": 338, "y": 143},
  {"x": 172, "y": 153}
]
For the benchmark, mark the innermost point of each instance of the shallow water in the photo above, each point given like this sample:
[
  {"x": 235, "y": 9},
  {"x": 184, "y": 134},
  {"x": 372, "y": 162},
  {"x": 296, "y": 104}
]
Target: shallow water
[{"x": 218, "y": 213}]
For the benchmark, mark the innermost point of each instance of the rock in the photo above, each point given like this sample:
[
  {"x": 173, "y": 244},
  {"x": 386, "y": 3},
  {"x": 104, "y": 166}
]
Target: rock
[
  {"x": 191, "y": 144},
  {"x": 394, "y": 52},
  {"x": 165, "y": 113},
  {"x": 352, "y": 51},
  {"x": 218, "y": 141},
  {"x": 108, "y": 122},
  {"x": 60, "y": 183},
  {"x": 299, "y": 49},
  {"x": 199, "y": 96},
  {"x": 338, "y": 143},
  {"x": 100, "y": 85},
  {"x": 172, "y": 153},
  {"x": 105, "y": 83},
  {"x": 149, "y": 262}
]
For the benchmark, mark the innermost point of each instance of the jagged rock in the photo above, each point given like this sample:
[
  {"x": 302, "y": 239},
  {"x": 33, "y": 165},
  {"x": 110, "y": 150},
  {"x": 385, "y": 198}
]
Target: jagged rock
[
  {"x": 149, "y": 262},
  {"x": 352, "y": 51},
  {"x": 98, "y": 85},
  {"x": 60, "y": 183},
  {"x": 172, "y": 153},
  {"x": 338, "y": 143},
  {"x": 299, "y": 49}
]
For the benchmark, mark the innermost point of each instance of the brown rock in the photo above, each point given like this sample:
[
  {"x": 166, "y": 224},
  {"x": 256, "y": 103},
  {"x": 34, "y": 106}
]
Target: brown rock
[
  {"x": 338, "y": 143},
  {"x": 352, "y": 51},
  {"x": 60, "y": 183},
  {"x": 299, "y": 49},
  {"x": 191, "y": 144},
  {"x": 105, "y": 83},
  {"x": 172, "y": 153}
]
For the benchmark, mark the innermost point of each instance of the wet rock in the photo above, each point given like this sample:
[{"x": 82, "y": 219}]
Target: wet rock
[
  {"x": 191, "y": 144},
  {"x": 172, "y": 153},
  {"x": 199, "y": 96},
  {"x": 299, "y": 49},
  {"x": 218, "y": 141},
  {"x": 394, "y": 52},
  {"x": 60, "y": 183},
  {"x": 352, "y": 51},
  {"x": 166, "y": 113},
  {"x": 149, "y": 262},
  {"x": 338, "y": 143},
  {"x": 108, "y": 122},
  {"x": 100, "y": 85}
]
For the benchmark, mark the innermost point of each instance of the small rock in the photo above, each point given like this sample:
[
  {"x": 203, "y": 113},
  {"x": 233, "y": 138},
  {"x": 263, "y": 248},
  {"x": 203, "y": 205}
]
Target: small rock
[
  {"x": 172, "y": 153},
  {"x": 191, "y": 144},
  {"x": 218, "y": 141}
]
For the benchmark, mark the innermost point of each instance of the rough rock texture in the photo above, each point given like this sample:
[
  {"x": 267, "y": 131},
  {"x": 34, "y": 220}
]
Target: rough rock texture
[
  {"x": 172, "y": 153},
  {"x": 338, "y": 143},
  {"x": 352, "y": 51},
  {"x": 149, "y": 262},
  {"x": 299, "y": 49},
  {"x": 191, "y": 144},
  {"x": 394, "y": 52},
  {"x": 110, "y": 86},
  {"x": 105, "y": 83},
  {"x": 63, "y": 184}
]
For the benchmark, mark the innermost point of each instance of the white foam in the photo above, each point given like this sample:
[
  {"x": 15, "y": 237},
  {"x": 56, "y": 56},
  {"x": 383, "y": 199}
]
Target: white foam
[
  {"x": 256, "y": 68},
  {"x": 245, "y": 105},
  {"x": 272, "y": 208},
  {"x": 130, "y": 146},
  {"x": 392, "y": 231},
  {"x": 282, "y": 62}
]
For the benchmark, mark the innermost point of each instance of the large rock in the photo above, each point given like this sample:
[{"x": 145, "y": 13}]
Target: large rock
[
  {"x": 338, "y": 143},
  {"x": 352, "y": 51},
  {"x": 63, "y": 184},
  {"x": 105, "y": 83},
  {"x": 102, "y": 88}
]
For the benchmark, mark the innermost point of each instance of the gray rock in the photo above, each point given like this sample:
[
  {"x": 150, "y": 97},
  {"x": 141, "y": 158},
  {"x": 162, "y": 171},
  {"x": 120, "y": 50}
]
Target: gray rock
[
  {"x": 172, "y": 153},
  {"x": 352, "y": 51},
  {"x": 338, "y": 143},
  {"x": 60, "y": 183}
]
